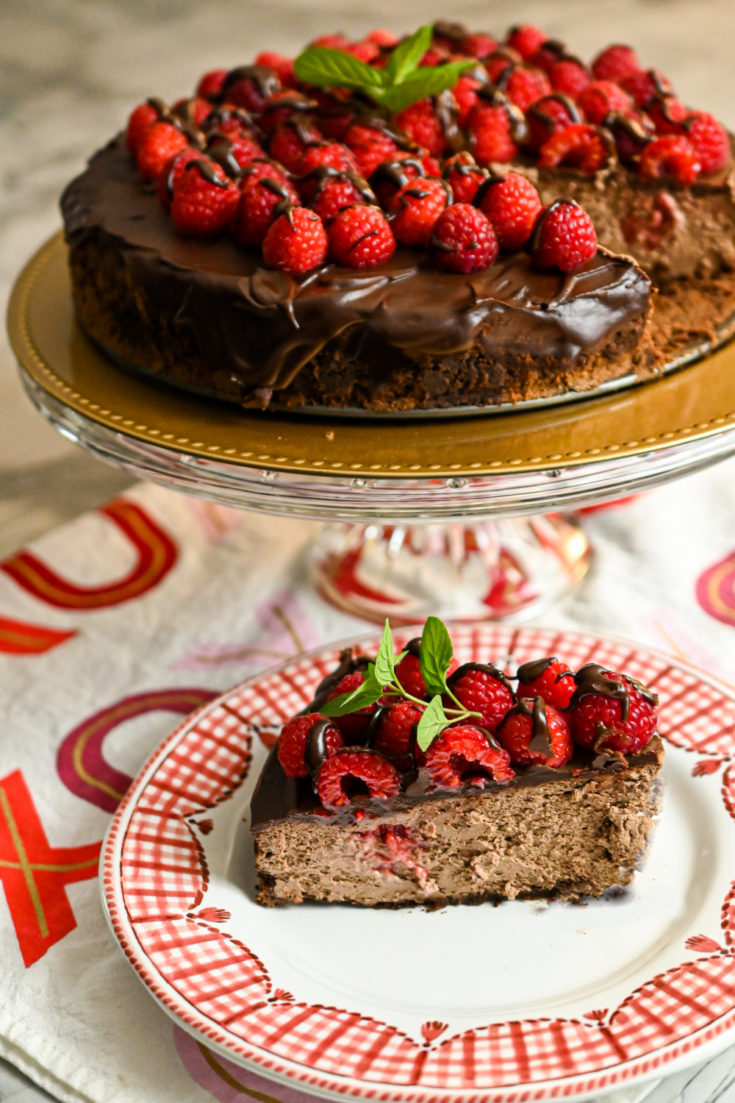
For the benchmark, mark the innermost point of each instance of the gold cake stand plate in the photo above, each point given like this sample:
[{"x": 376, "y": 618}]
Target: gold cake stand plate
[{"x": 382, "y": 477}]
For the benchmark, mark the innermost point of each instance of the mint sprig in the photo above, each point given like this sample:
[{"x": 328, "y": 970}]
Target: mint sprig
[
  {"x": 402, "y": 82},
  {"x": 381, "y": 681}
]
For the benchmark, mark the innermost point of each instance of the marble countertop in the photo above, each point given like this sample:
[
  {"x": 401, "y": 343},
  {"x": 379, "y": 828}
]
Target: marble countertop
[{"x": 69, "y": 75}]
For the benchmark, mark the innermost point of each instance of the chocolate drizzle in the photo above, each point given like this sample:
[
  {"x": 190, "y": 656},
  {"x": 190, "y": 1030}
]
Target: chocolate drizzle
[
  {"x": 536, "y": 110},
  {"x": 536, "y": 668},
  {"x": 493, "y": 94},
  {"x": 482, "y": 668},
  {"x": 540, "y": 742},
  {"x": 535, "y": 239},
  {"x": 316, "y": 746},
  {"x": 266, "y": 80}
]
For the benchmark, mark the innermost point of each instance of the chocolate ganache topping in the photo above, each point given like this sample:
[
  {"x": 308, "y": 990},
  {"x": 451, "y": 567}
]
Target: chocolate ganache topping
[{"x": 259, "y": 327}]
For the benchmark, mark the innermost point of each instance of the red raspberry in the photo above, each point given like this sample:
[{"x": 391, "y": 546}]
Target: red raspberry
[
  {"x": 353, "y": 725},
  {"x": 360, "y": 237},
  {"x": 526, "y": 39},
  {"x": 395, "y": 730},
  {"x": 408, "y": 670},
  {"x": 328, "y": 155},
  {"x": 463, "y": 240},
  {"x": 483, "y": 689},
  {"x": 296, "y": 242},
  {"x": 285, "y": 105},
  {"x": 526, "y": 85},
  {"x": 234, "y": 153},
  {"x": 289, "y": 142},
  {"x": 464, "y": 176},
  {"x": 262, "y": 167},
  {"x": 194, "y": 110},
  {"x": 210, "y": 85},
  {"x": 548, "y": 54},
  {"x": 465, "y": 95},
  {"x": 415, "y": 208},
  {"x": 156, "y": 147},
  {"x": 172, "y": 172},
  {"x": 549, "y": 115},
  {"x": 615, "y": 63},
  {"x": 391, "y": 175},
  {"x": 294, "y": 738},
  {"x": 631, "y": 133},
  {"x": 534, "y": 732},
  {"x": 710, "y": 140},
  {"x": 257, "y": 209},
  {"x": 336, "y": 190},
  {"x": 579, "y": 146},
  {"x": 356, "y": 773},
  {"x": 646, "y": 84},
  {"x": 334, "y": 115},
  {"x": 622, "y": 718},
  {"x": 569, "y": 77},
  {"x": 466, "y": 754},
  {"x": 435, "y": 55},
  {"x": 500, "y": 64},
  {"x": 370, "y": 146},
  {"x": 421, "y": 125},
  {"x": 478, "y": 45},
  {"x": 563, "y": 237},
  {"x": 512, "y": 205},
  {"x": 204, "y": 199},
  {"x": 365, "y": 51},
  {"x": 233, "y": 122},
  {"x": 250, "y": 91},
  {"x": 548, "y": 678},
  {"x": 283, "y": 66},
  {"x": 673, "y": 156},
  {"x": 666, "y": 113},
  {"x": 141, "y": 118},
  {"x": 491, "y": 133},
  {"x": 600, "y": 98},
  {"x": 382, "y": 37},
  {"x": 332, "y": 41}
]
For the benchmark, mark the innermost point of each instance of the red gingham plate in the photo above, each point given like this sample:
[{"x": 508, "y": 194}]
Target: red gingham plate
[{"x": 525, "y": 1001}]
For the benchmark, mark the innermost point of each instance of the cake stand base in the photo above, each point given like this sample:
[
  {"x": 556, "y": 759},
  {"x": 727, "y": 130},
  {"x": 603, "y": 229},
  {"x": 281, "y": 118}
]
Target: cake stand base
[{"x": 507, "y": 568}]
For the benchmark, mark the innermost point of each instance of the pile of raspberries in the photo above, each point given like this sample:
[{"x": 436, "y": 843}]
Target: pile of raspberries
[
  {"x": 373, "y": 752},
  {"x": 311, "y": 175}
]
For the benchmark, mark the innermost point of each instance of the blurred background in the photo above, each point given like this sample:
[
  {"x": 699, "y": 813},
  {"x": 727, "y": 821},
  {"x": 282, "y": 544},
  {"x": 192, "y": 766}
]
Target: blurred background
[{"x": 71, "y": 72}]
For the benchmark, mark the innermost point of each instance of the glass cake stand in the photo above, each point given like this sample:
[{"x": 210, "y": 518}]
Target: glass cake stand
[{"x": 465, "y": 516}]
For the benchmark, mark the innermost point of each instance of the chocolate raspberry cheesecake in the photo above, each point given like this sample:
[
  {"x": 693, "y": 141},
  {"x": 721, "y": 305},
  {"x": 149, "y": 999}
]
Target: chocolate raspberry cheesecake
[
  {"x": 442, "y": 220},
  {"x": 416, "y": 780}
]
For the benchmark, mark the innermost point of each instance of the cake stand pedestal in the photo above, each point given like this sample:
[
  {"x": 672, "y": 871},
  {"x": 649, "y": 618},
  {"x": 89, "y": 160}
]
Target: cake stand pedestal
[{"x": 469, "y": 516}]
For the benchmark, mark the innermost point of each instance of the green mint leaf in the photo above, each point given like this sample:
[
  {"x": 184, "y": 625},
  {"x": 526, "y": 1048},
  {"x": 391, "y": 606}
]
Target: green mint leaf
[
  {"x": 429, "y": 80},
  {"x": 365, "y": 694},
  {"x": 433, "y": 721},
  {"x": 321, "y": 65},
  {"x": 408, "y": 53},
  {"x": 435, "y": 655},
  {"x": 385, "y": 670}
]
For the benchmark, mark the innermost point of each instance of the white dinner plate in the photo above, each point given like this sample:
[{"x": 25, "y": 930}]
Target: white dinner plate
[{"x": 522, "y": 1001}]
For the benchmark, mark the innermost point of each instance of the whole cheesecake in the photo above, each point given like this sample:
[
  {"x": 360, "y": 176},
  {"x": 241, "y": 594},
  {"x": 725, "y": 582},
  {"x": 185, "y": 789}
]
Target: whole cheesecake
[
  {"x": 550, "y": 789},
  {"x": 283, "y": 240}
]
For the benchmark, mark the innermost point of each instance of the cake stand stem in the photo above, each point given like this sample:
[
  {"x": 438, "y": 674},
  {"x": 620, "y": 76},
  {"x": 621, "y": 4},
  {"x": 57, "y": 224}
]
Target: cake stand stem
[{"x": 500, "y": 569}]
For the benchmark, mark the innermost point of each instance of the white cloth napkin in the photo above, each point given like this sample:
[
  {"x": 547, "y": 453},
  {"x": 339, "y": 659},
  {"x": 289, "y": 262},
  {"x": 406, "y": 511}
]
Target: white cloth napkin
[{"x": 116, "y": 613}]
